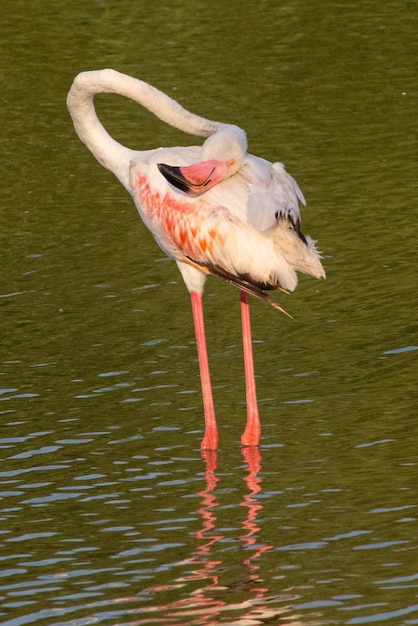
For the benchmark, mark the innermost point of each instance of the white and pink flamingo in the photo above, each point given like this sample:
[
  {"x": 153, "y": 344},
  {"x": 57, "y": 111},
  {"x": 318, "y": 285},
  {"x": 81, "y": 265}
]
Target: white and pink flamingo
[{"x": 215, "y": 209}]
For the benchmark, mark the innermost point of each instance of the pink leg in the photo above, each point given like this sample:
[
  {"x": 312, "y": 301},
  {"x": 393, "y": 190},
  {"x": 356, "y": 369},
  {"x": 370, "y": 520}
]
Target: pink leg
[
  {"x": 210, "y": 439},
  {"x": 251, "y": 435}
]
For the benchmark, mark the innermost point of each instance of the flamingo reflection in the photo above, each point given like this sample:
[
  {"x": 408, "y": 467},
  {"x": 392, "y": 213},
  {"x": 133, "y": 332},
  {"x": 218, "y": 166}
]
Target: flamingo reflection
[
  {"x": 211, "y": 602},
  {"x": 252, "y": 456}
]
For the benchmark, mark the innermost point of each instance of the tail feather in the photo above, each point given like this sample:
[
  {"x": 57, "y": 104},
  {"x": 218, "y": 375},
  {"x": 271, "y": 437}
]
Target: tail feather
[{"x": 299, "y": 250}]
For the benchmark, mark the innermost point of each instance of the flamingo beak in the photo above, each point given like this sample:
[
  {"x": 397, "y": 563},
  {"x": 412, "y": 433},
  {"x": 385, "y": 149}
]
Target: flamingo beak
[{"x": 197, "y": 178}]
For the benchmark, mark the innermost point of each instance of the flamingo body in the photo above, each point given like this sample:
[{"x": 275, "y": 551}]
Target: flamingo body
[
  {"x": 221, "y": 228},
  {"x": 215, "y": 209}
]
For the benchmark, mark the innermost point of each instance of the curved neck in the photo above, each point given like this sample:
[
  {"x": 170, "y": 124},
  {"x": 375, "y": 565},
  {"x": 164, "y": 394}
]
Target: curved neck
[{"x": 110, "y": 153}]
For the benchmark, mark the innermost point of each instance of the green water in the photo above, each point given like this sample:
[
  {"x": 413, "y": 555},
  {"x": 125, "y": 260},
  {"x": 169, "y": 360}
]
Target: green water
[{"x": 109, "y": 514}]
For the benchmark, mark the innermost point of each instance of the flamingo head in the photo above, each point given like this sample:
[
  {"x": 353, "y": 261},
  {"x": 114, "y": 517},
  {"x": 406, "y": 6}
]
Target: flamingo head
[{"x": 222, "y": 156}]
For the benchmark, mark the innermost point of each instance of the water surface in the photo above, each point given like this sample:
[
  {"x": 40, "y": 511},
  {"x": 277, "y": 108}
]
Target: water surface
[{"x": 109, "y": 512}]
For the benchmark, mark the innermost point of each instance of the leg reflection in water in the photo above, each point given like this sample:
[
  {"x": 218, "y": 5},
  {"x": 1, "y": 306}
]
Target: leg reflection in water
[{"x": 247, "y": 599}]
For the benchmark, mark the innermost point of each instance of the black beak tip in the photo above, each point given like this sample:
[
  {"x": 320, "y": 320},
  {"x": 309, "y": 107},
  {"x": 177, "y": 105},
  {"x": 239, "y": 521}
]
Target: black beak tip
[{"x": 174, "y": 176}]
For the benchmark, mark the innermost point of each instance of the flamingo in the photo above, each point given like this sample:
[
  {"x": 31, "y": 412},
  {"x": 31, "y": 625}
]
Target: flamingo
[{"x": 215, "y": 209}]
